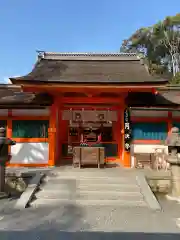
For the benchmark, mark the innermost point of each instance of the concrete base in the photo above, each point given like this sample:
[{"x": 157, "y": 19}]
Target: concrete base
[
  {"x": 173, "y": 198},
  {"x": 28, "y": 194},
  {"x": 148, "y": 194},
  {"x": 175, "y": 181}
]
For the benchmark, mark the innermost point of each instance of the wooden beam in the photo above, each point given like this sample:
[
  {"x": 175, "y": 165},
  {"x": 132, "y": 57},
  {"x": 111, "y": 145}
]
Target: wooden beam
[
  {"x": 83, "y": 88},
  {"x": 92, "y": 100}
]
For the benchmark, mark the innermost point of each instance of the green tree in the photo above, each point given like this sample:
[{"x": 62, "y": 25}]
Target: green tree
[{"x": 158, "y": 44}]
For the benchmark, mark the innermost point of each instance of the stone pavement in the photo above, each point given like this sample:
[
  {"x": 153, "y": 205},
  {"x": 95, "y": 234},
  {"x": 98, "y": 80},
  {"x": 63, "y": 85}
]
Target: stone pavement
[
  {"x": 85, "y": 222},
  {"x": 73, "y": 218},
  {"x": 96, "y": 187},
  {"x": 74, "y": 221}
]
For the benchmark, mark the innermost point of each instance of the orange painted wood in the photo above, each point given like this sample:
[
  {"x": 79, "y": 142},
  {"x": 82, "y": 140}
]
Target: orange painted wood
[
  {"x": 95, "y": 107},
  {"x": 127, "y": 159},
  {"x": 82, "y": 87},
  {"x": 176, "y": 119},
  {"x": 60, "y": 130},
  {"x": 169, "y": 122},
  {"x": 4, "y": 118},
  {"x": 27, "y": 165},
  {"x": 52, "y": 135},
  {"x": 30, "y": 140},
  {"x": 148, "y": 119},
  {"x": 24, "y": 118},
  {"x": 30, "y": 118},
  {"x": 91, "y": 100},
  {"x": 9, "y": 128},
  {"x": 9, "y": 113},
  {"x": 118, "y": 133}
]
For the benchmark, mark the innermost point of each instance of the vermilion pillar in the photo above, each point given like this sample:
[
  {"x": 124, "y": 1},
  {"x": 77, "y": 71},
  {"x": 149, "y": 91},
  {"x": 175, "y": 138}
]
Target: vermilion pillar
[
  {"x": 170, "y": 125},
  {"x": 60, "y": 129},
  {"x": 118, "y": 135},
  {"x": 52, "y": 134}
]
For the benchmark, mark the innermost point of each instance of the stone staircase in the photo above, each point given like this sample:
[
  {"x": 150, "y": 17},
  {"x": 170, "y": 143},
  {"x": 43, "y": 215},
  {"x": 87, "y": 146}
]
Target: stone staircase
[{"x": 100, "y": 187}]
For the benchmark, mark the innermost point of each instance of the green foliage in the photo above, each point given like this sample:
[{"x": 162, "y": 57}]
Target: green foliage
[
  {"x": 158, "y": 44},
  {"x": 175, "y": 80}
]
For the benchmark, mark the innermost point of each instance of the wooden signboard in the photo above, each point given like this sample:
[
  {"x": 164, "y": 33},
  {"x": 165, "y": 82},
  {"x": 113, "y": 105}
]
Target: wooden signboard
[{"x": 127, "y": 130}]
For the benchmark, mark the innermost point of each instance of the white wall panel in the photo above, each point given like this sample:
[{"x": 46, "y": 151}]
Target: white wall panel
[{"x": 30, "y": 153}]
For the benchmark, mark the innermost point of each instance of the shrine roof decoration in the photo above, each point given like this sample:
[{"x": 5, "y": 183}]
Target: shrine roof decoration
[{"x": 88, "y": 68}]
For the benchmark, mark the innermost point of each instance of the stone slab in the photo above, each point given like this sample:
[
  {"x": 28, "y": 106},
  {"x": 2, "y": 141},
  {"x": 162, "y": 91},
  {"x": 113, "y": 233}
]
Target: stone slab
[
  {"x": 58, "y": 186},
  {"x": 28, "y": 194},
  {"x": 148, "y": 194},
  {"x": 111, "y": 172},
  {"x": 90, "y": 195},
  {"x": 61, "y": 202},
  {"x": 156, "y": 174},
  {"x": 86, "y": 178}
]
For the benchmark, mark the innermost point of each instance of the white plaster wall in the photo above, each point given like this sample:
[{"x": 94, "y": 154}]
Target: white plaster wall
[
  {"x": 145, "y": 148},
  {"x": 30, "y": 112},
  {"x": 27, "y": 153}
]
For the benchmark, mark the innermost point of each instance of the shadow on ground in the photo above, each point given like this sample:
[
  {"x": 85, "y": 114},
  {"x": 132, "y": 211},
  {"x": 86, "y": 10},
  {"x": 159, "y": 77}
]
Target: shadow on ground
[{"x": 86, "y": 235}]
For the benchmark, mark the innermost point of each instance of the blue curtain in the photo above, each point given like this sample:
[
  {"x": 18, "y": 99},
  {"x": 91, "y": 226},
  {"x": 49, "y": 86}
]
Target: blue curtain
[{"x": 149, "y": 131}]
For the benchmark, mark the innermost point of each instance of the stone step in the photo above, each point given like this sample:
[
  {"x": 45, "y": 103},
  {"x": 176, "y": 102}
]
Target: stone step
[
  {"x": 97, "y": 179},
  {"x": 90, "y": 195},
  {"x": 60, "y": 186},
  {"x": 93, "y": 173},
  {"x": 60, "y": 202}
]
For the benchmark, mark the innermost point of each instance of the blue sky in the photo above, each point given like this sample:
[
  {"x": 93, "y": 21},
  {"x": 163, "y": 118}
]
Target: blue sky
[{"x": 70, "y": 26}]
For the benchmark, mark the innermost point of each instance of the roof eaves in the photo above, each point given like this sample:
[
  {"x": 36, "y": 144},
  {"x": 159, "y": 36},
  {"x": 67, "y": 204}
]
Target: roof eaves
[
  {"x": 10, "y": 87},
  {"x": 169, "y": 87}
]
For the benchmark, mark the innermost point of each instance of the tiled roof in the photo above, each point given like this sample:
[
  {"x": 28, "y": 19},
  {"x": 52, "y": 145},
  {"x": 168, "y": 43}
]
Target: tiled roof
[
  {"x": 171, "y": 94},
  {"x": 118, "y": 68},
  {"x": 86, "y": 56},
  {"x": 11, "y": 94},
  {"x": 149, "y": 99}
]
